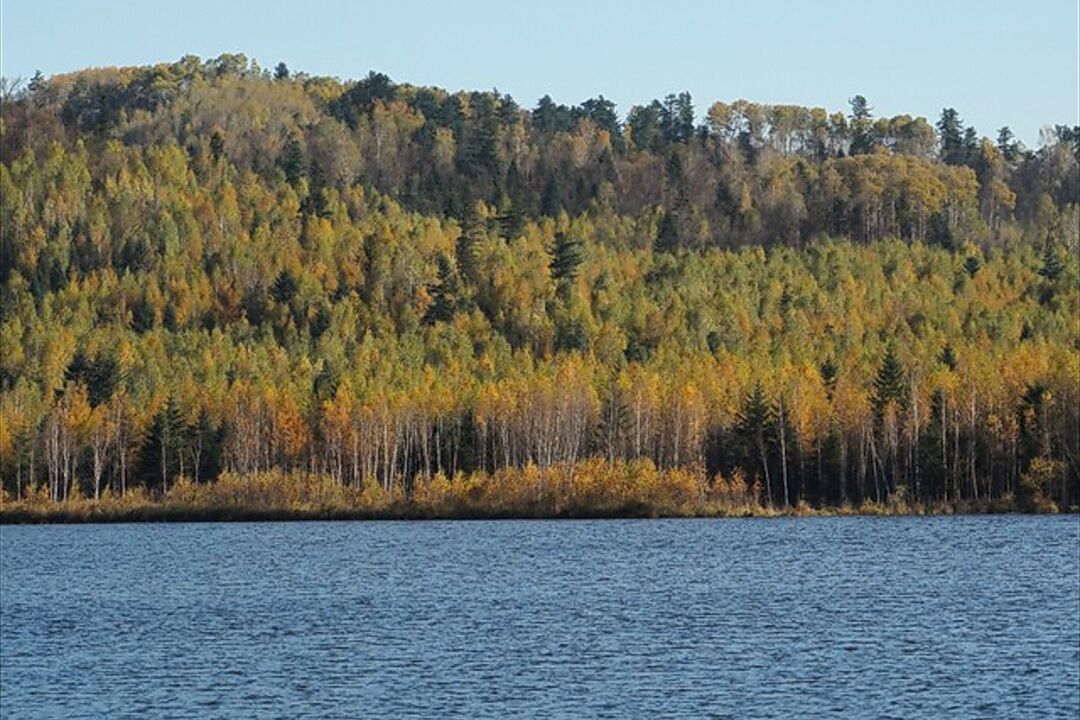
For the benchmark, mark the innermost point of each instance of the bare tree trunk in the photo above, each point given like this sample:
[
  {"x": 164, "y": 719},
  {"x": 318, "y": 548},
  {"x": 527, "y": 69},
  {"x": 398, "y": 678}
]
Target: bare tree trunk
[
  {"x": 971, "y": 450},
  {"x": 783, "y": 451},
  {"x": 843, "y": 467},
  {"x": 944, "y": 450},
  {"x": 876, "y": 466},
  {"x": 915, "y": 448},
  {"x": 765, "y": 468}
]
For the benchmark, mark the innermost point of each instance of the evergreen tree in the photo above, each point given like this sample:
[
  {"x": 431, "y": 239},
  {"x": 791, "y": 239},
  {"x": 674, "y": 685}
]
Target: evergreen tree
[
  {"x": 1052, "y": 267},
  {"x": 667, "y": 235},
  {"x": 217, "y": 145},
  {"x": 950, "y": 135},
  {"x": 890, "y": 384},
  {"x": 292, "y": 161},
  {"x": 972, "y": 264},
  {"x": 1007, "y": 145},
  {"x": 551, "y": 201},
  {"x": 465, "y": 248},
  {"x": 948, "y": 357},
  {"x": 829, "y": 374},
  {"x": 862, "y": 140},
  {"x": 166, "y": 446},
  {"x": 321, "y": 322},
  {"x": 753, "y": 425},
  {"x": 565, "y": 259},
  {"x": 444, "y": 294},
  {"x": 284, "y": 288}
]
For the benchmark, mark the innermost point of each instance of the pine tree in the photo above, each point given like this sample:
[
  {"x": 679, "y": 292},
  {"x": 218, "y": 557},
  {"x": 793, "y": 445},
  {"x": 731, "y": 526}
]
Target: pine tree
[
  {"x": 166, "y": 444},
  {"x": 667, "y": 235},
  {"x": 284, "y": 288},
  {"x": 829, "y": 373},
  {"x": 1007, "y": 144},
  {"x": 861, "y": 141},
  {"x": 950, "y": 133},
  {"x": 444, "y": 293},
  {"x": 565, "y": 259},
  {"x": 292, "y": 160},
  {"x": 465, "y": 248},
  {"x": 972, "y": 265},
  {"x": 752, "y": 424},
  {"x": 1052, "y": 267},
  {"x": 889, "y": 386}
]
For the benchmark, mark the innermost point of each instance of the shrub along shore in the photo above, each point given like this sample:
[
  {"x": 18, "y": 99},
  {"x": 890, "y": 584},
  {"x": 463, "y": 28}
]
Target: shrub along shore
[{"x": 589, "y": 489}]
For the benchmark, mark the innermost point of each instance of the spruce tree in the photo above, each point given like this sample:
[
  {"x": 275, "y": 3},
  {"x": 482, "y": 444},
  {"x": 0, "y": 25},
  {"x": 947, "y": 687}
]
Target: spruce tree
[
  {"x": 1052, "y": 267},
  {"x": 752, "y": 425},
  {"x": 444, "y": 293},
  {"x": 829, "y": 373},
  {"x": 667, "y": 235},
  {"x": 565, "y": 259},
  {"x": 465, "y": 248},
  {"x": 889, "y": 386}
]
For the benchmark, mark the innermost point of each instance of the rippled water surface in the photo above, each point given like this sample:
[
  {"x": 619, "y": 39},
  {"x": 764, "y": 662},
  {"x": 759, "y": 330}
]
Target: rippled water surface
[{"x": 904, "y": 617}]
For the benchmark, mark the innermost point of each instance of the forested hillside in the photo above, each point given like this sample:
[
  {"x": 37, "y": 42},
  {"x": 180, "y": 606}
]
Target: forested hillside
[{"x": 210, "y": 268}]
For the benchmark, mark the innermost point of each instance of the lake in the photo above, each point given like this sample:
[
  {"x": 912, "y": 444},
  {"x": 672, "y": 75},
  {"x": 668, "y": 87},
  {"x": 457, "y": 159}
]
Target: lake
[{"x": 881, "y": 617}]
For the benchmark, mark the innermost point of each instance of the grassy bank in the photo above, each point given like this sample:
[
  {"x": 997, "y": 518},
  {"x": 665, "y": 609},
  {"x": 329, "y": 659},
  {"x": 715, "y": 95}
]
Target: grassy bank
[{"x": 592, "y": 489}]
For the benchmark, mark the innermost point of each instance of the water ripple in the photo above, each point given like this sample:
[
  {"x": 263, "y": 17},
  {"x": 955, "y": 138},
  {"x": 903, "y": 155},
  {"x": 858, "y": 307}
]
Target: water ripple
[{"x": 822, "y": 617}]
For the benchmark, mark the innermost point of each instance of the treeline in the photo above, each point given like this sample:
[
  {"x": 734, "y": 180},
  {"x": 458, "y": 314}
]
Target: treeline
[
  {"x": 747, "y": 174},
  {"x": 210, "y": 268}
]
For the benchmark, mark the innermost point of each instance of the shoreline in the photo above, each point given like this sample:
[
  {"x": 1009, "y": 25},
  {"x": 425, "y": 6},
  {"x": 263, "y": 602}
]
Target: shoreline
[{"x": 166, "y": 513}]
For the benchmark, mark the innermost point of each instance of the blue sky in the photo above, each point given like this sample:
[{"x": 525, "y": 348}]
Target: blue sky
[{"x": 997, "y": 63}]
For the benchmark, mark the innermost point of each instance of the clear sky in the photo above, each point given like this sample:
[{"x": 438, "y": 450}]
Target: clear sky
[{"x": 997, "y": 62}]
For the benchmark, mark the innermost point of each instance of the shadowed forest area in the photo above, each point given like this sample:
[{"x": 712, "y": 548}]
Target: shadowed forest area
[{"x": 236, "y": 292}]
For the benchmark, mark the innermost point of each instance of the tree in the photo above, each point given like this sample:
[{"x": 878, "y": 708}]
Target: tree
[
  {"x": 565, "y": 259},
  {"x": 950, "y": 135},
  {"x": 101, "y": 375},
  {"x": 890, "y": 396},
  {"x": 972, "y": 264},
  {"x": 667, "y": 235},
  {"x": 281, "y": 71},
  {"x": 206, "y": 441},
  {"x": 292, "y": 160},
  {"x": 372, "y": 282},
  {"x": 889, "y": 386},
  {"x": 829, "y": 373},
  {"x": 861, "y": 139},
  {"x": 1052, "y": 267},
  {"x": 1007, "y": 145},
  {"x": 602, "y": 112},
  {"x": 753, "y": 423},
  {"x": 677, "y": 118},
  {"x": 465, "y": 248},
  {"x": 445, "y": 293},
  {"x": 284, "y": 288},
  {"x": 166, "y": 444}
]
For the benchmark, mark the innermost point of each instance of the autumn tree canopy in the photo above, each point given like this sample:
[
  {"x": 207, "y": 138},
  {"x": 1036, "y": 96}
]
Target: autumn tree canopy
[{"x": 206, "y": 267}]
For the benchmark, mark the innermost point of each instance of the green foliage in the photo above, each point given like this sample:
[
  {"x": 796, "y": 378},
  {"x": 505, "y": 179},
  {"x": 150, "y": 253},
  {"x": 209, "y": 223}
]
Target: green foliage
[
  {"x": 293, "y": 162},
  {"x": 101, "y": 375},
  {"x": 284, "y": 288},
  {"x": 382, "y": 282},
  {"x": 565, "y": 259},
  {"x": 445, "y": 294},
  {"x": 890, "y": 386},
  {"x": 1052, "y": 266}
]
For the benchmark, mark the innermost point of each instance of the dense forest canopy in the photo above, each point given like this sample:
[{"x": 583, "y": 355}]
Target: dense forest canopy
[{"x": 208, "y": 266}]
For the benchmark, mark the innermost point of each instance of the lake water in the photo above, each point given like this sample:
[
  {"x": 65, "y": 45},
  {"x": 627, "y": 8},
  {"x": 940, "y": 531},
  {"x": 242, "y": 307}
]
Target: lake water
[{"x": 878, "y": 617}]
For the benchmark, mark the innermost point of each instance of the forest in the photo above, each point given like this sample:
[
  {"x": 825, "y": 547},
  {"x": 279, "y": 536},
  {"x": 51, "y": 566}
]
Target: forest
[{"x": 224, "y": 285}]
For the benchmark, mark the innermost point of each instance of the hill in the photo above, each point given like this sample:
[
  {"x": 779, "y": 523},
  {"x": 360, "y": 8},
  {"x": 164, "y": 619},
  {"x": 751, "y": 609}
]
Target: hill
[{"x": 209, "y": 267}]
